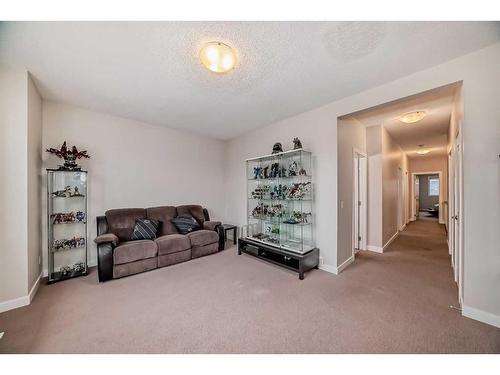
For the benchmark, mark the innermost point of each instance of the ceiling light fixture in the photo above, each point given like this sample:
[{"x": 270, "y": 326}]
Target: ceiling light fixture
[
  {"x": 411, "y": 117},
  {"x": 422, "y": 151},
  {"x": 217, "y": 57}
]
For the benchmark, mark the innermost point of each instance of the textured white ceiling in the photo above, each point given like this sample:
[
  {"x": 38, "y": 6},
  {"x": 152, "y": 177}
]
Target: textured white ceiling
[
  {"x": 149, "y": 71},
  {"x": 431, "y": 131}
]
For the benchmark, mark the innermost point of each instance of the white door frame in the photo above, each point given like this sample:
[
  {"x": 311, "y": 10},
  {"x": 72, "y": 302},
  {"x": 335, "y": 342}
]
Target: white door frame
[
  {"x": 456, "y": 212},
  {"x": 441, "y": 194},
  {"x": 359, "y": 203}
]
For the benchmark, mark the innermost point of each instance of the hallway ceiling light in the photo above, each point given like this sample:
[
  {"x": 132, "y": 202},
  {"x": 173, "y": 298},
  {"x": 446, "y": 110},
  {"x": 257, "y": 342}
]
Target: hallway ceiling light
[
  {"x": 218, "y": 57},
  {"x": 411, "y": 117},
  {"x": 423, "y": 151}
]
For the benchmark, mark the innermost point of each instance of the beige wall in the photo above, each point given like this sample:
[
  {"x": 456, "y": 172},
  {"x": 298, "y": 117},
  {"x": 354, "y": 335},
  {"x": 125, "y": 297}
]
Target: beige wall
[
  {"x": 134, "y": 164},
  {"x": 429, "y": 163},
  {"x": 20, "y": 144},
  {"x": 13, "y": 189},
  {"x": 351, "y": 135},
  {"x": 393, "y": 160},
  {"x": 34, "y": 184}
]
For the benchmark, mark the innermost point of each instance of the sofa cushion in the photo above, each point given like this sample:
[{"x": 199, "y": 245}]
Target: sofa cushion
[
  {"x": 132, "y": 251},
  {"x": 122, "y": 221},
  {"x": 172, "y": 243},
  {"x": 145, "y": 229},
  {"x": 186, "y": 224},
  {"x": 203, "y": 237},
  {"x": 165, "y": 215},
  {"x": 194, "y": 210}
]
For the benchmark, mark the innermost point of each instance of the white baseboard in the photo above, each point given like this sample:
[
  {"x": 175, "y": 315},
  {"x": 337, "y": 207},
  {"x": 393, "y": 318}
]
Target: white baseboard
[
  {"x": 376, "y": 249},
  {"x": 344, "y": 265},
  {"x": 21, "y": 301},
  {"x": 339, "y": 269},
  {"x": 34, "y": 288},
  {"x": 328, "y": 268},
  {"x": 14, "y": 303},
  {"x": 395, "y": 235},
  {"x": 482, "y": 316}
]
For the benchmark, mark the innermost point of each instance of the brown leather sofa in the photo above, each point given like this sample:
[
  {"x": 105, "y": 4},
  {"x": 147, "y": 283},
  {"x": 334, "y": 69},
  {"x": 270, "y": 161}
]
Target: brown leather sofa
[{"x": 119, "y": 256}]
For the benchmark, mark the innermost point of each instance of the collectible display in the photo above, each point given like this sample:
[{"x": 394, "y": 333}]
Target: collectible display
[
  {"x": 68, "y": 192},
  {"x": 65, "y": 244},
  {"x": 297, "y": 144},
  {"x": 68, "y": 217},
  {"x": 69, "y": 156},
  {"x": 67, "y": 223},
  {"x": 280, "y": 203}
]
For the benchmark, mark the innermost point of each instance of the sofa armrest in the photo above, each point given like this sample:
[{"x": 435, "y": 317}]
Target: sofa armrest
[
  {"x": 107, "y": 238},
  {"x": 104, "y": 250},
  {"x": 211, "y": 225},
  {"x": 105, "y": 261}
]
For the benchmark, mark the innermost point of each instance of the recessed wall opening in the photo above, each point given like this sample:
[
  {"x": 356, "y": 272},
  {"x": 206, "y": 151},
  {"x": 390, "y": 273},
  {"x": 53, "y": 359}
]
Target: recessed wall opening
[{"x": 411, "y": 185}]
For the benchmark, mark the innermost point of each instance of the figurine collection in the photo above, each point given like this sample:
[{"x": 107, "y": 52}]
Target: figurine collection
[
  {"x": 75, "y": 268},
  {"x": 68, "y": 217},
  {"x": 66, "y": 244},
  {"x": 276, "y": 170},
  {"x": 295, "y": 191},
  {"x": 68, "y": 192}
]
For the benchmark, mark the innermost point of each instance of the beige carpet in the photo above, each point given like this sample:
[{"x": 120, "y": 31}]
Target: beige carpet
[{"x": 396, "y": 302}]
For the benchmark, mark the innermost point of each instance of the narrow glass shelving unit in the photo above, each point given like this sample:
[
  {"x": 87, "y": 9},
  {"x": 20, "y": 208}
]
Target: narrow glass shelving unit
[{"x": 67, "y": 224}]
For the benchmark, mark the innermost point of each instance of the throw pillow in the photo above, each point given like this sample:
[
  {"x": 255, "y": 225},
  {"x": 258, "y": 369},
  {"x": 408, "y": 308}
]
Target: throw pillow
[
  {"x": 186, "y": 224},
  {"x": 145, "y": 229}
]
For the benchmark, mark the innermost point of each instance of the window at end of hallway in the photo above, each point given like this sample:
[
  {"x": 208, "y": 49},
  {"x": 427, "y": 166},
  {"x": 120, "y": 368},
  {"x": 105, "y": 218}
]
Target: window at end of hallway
[{"x": 433, "y": 187}]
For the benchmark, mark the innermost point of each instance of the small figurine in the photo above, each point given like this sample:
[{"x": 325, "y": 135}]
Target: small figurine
[
  {"x": 65, "y": 270},
  {"x": 80, "y": 216},
  {"x": 274, "y": 170},
  {"x": 277, "y": 148},
  {"x": 265, "y": 170},
  {"x": 297, "y": 144},
  {"x": 76, "y": 193},
  {"x": 63, "y": 193},
  {"x": 293, "y": 168},
  {"x": 257, "y": 171},
  {"x": 79, "y": 267}
]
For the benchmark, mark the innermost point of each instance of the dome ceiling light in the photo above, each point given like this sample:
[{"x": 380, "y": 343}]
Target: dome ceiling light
[
  {"x": 411, "y": 117},
  {"x": 422, "y": 151},
  {"x": 218, "y": 57}
]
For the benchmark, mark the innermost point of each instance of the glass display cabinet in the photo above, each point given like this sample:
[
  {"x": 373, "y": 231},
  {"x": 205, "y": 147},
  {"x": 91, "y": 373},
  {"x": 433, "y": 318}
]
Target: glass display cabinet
[
  {"x": 280, "y": 218},
  {"x": 67, "y": 224}
]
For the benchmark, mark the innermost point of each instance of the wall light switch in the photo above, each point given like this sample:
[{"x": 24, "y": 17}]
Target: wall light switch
[{"x": 341, "y": 204}]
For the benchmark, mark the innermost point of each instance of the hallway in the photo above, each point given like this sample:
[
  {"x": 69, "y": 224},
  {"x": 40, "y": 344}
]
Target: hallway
[{"x": 414, "y": 276}]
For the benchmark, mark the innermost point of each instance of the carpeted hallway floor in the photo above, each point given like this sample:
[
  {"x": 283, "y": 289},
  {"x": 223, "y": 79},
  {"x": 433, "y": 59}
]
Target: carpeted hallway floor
[{"x": 396, "y": 302}]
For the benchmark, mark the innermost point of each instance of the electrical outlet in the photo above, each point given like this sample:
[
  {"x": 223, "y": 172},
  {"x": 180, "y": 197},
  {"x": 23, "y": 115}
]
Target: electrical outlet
[
  {"x": 39, "y": 259},
  {"x": 321, "y": 261}
]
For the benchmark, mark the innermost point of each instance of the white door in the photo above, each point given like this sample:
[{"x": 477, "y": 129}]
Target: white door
[{"x": 360, "y": 201}]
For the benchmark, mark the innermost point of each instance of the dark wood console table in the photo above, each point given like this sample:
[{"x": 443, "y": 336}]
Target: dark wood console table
[{"x": 297, "y": 262}]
